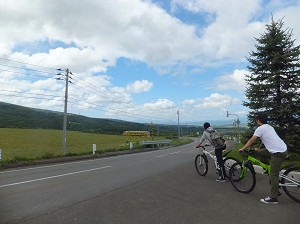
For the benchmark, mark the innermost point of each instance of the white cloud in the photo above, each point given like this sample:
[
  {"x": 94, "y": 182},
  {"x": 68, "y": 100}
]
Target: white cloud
[
  {"x": 229, "y": 35},
  {"x": 149, "y": 34},
  {"x": 48, "y": 84},
  {"x": 139, "y": 86},
  {"x": 188, "y": 102},
  {"x": 119, "y": 94},
  {"x": 217, "y": 100},
  {"x": 290, "y": 15},
  {"x": 234, "y": 81},
  {"x": 90, "y": 36},
  {"x": 84, "y": 60},
  {"x": 96, "y": 34},
  {"x": 160, "y": 110},
  {"x": 160, "y": 104}
]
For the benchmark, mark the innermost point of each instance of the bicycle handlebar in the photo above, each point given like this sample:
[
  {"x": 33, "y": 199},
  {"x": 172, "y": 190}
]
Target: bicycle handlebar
[
  {"x": 249, "y": 151},
  {"x": 203, "y": 146}
]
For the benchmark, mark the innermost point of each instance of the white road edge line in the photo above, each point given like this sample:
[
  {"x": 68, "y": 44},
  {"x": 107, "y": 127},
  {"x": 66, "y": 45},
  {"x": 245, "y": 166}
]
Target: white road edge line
[
  {"x": 174, "y": 152},
  {"x": 158, "y": 156},
  {"x": 46, "y": 178},
  {"x": 69, "y": 163},
  {"x": 41, "y": 167}
]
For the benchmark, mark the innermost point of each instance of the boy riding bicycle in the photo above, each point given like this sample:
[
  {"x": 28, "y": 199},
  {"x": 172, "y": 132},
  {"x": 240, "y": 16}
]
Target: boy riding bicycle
[
  {"x": 218, "y": 151},
  {"x": 276, "y": 151}
]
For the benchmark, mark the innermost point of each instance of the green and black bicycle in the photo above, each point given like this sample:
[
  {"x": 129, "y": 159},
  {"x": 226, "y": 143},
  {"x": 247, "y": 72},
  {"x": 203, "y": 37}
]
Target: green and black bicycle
[{"x": 243, "y": 177}]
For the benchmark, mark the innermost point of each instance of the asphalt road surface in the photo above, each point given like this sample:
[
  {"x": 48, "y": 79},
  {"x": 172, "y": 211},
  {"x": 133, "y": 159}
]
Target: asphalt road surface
[{"x": 161, "y": 186}]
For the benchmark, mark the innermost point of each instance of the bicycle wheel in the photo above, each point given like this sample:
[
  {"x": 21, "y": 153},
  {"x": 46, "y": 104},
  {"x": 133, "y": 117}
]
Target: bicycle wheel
[
  {"x": 228, "y": 162},
  {"x": 242, "y": 178},
  {"x": 290, "y": 182},
  {"x": 201, "y": 164}
]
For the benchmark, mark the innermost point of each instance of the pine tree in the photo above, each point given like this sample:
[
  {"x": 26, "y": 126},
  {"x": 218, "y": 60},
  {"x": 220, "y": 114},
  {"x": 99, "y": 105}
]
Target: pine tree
[{"x": 273, "y": 85}]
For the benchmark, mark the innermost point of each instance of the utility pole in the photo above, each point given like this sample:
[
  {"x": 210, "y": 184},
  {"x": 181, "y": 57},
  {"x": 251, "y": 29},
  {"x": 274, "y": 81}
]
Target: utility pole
[
  {"x": 152, "y": 130},
  {"x": 237, "y": 122},
  {"x": 66, "y": 78},
  {"x": 178, "y": 125},
  {"x": 65, "y": 114}
]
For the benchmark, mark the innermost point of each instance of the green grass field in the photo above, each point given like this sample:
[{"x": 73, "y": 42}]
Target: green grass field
[{"x": 38, "y": 143}]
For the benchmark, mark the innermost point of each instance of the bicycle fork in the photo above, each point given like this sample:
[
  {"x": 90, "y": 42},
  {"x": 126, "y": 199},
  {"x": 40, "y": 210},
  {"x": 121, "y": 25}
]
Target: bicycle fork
[
  {"x": 201, "y": 159},
  {"x": 244, "y": 170}
]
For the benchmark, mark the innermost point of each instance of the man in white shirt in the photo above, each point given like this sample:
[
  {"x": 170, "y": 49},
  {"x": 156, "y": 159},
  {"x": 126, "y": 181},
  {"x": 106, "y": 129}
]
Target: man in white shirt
[{"x": 276, "y": 151}]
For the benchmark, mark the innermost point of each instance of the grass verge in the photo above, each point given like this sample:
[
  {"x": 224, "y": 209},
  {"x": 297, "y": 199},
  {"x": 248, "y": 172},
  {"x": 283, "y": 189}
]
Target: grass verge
[{"x": 21, "y": 146}]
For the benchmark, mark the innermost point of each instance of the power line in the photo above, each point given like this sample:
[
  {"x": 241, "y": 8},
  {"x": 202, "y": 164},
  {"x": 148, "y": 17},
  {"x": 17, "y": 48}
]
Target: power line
[
  {"x": 31, "y": 97},
  {"x": 19, "y": 92},
  {"x": 116, "y": 99},
  {"x": 15, "y": 61},
  {"x": 15, "y": 72},
  {"x": 105, "y": 108},
  {"x": 86, "y": 87}
]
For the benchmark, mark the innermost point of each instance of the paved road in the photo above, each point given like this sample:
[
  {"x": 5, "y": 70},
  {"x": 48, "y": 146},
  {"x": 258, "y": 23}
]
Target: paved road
[{"x": 161, "y": 186}]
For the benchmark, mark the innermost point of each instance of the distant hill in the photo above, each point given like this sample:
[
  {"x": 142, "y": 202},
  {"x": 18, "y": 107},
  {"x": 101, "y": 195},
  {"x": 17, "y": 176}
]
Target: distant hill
[{"x": 15, "y": 116}]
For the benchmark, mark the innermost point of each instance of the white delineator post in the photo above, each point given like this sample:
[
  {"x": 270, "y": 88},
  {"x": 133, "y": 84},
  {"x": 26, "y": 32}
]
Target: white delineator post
[{"x": 94, "y": 149}]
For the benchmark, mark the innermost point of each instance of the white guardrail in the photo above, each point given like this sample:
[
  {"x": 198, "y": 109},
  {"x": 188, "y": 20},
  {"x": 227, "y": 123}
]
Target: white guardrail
[{"x": 153, "y": 143}]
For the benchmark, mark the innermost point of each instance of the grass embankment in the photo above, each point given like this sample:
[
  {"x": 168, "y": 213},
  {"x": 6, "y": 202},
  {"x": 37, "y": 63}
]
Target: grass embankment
[
  {"x": 22, "y": 145},
  {"x": 242, "y": 156}
]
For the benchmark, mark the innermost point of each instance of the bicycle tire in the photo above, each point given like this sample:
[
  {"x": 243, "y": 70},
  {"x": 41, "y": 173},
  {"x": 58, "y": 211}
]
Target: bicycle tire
[
  {"x": 291, "y": 183},
  {"x": 201, "y": 164},
  {"x": 242, "y": 183},
  {"x": 228, "y": 162}
]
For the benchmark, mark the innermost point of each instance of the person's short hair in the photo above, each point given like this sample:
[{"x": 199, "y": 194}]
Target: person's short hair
[
  {"x": 262, "y": 117},
  {"x": 206, "y": 125}
]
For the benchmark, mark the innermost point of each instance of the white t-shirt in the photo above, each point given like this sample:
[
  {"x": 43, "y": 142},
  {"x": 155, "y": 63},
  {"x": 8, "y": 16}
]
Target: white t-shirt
[{"x": 270, "y": 138}]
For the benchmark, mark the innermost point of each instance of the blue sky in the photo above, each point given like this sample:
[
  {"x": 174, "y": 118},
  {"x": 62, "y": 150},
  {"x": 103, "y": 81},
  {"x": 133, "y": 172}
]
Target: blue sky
[{"x": 136, "y": 60}]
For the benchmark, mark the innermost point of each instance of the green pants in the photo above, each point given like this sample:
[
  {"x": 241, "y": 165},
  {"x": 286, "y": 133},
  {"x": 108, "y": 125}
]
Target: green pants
[{"x": 276, "y": 160}]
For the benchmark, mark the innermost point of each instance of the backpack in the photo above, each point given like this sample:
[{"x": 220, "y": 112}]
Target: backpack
[{"x": 216, "y": 139}]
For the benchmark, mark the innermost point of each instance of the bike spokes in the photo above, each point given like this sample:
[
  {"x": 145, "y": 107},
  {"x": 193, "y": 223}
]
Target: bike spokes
[
  {"x": 290, "y": 183},
  {"x": 201, "y": 165},
  {"x": 242, "y": 177}
]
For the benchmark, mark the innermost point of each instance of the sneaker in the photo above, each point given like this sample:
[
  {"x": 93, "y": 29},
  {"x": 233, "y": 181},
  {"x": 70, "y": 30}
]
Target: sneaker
[
  {"x": 269, "y": 200},
  {"x": 221, "y": 179}
]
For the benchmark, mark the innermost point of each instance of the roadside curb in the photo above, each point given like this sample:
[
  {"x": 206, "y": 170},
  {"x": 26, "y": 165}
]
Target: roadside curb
[{"x": 76, "y": 158}]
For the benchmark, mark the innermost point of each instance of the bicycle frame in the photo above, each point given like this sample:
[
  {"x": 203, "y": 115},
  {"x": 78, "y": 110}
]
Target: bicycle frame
[
  {"x": 204, "y": 152},
  {"x": 293, "y": 183},
  {"x": 288, "y": 176},
  {"x": 254, "y": 160},
  {"x": 268, "y": 169}
]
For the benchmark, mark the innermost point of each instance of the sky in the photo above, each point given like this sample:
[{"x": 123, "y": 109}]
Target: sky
[{"x": 135, "y": 60}]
